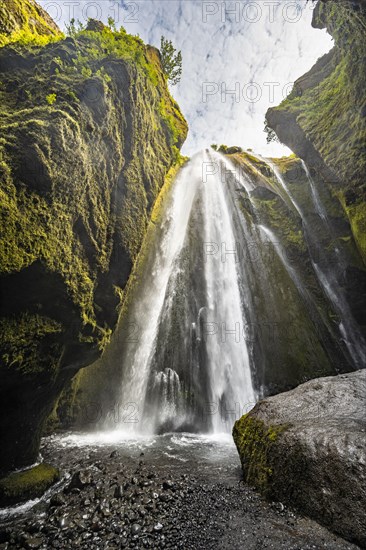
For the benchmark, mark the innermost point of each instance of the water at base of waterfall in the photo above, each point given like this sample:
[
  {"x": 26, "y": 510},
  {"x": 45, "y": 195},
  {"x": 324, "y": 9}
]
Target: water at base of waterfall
[{"x": 169, "y": 491}]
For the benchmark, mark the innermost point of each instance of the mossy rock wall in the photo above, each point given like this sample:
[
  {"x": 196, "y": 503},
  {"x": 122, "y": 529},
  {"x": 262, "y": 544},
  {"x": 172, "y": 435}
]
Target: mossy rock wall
[
  {"x": 26, "y": 21},
  {"x": 294, "y": 333},
  {"x": 89, "y": 132},
  {"x": 323, "y": 119},
  {"x": 94, "y": 392}
]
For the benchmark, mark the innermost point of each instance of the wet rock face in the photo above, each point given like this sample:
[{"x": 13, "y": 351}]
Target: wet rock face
[
  {"x": 88, "y": 138},
  {"x": 307, "y": 447}
]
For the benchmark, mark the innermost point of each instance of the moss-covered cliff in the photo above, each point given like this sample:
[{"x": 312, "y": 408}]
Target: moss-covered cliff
[
  {"x": 323, "y": 120},
  {"x": 301, "y": 339},
  {"x": 24, "y": 21},
  {"x": 89, "y": 133},
  {"x": 95, "y": 391}
]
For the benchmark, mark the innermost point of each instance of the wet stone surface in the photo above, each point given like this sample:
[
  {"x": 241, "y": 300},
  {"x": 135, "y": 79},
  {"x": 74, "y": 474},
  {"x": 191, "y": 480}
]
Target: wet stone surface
[{"x": 168, "y": 492}]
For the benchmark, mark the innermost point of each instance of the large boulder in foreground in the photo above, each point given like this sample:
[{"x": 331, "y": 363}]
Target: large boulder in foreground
[{"x": 307, "y": 448}]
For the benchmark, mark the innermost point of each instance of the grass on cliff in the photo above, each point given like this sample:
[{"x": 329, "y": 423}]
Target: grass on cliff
[
  {"x": 108, "y": 42},
  {"x": 22, "y": 22}
]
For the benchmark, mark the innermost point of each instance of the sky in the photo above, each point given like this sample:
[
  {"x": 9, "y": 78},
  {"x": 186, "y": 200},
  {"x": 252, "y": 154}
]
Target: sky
[{"x": 239, "y": 57}]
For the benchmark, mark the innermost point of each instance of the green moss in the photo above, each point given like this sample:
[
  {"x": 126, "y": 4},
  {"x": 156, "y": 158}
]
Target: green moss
[
  {"x": 90, "y": 384},
  {"x": 51, "y": 99},
  {"x": 357, "y": 216},
  {"x": 25, "y": 23},
  {"x": 170, "y": 177},
  {"x": 23, "y": 344},
  {"x": 257, "y": 170},
  {"x": 283, "y": 222},
  {"x": 28, "y": 484},
  {"x": 170, "y": 113},
  {"x": 255, "y": 441}
]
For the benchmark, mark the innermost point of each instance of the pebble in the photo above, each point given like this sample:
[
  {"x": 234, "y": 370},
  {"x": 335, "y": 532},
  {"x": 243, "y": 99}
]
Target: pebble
[
  {"x": 34, "y": 542},
  {"x": 58, "y": 500},
  {"x": 136, "y": 528},
  {"x": 118, "y": 492},
  {"x": 141, "y": 506}
]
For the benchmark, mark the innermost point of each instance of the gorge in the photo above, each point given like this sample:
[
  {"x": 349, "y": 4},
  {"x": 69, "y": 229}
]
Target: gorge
[{"x": 149, "y": 301}]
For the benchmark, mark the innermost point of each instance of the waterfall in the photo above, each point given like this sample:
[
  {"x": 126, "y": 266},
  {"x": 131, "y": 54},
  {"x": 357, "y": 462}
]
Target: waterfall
[
  {"x": 328, "y": 264},
  {"x": 187, "y": 366},
  {"x": 218, "y": 314},
  {"x": 331, "y": 280}
]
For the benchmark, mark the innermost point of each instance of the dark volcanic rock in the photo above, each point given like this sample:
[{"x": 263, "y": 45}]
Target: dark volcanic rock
[
  {"x": 307, "y": 448},
  {"x": 206, "y": 512},
  {"x": 80, "y": 480}
]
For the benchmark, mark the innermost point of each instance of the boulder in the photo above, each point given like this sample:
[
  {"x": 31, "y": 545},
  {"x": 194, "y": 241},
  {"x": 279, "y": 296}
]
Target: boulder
[
  {"x": 27, "y": 484},
  {"x": 307, "y": 448}
]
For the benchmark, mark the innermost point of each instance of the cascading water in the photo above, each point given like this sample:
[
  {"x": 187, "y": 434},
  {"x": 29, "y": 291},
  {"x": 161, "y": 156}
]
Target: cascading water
[
  {"x": 329, "y": 264},
  {"x": 187, "y": 366},
  {"x": 218, "y": 314}
]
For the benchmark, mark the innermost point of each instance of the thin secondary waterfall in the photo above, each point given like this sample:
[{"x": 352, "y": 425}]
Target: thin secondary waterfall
[
  {"x": 186, "y": 364},
  {"x": 328, "y": 265},
  {"x": 331, "y": 280}
]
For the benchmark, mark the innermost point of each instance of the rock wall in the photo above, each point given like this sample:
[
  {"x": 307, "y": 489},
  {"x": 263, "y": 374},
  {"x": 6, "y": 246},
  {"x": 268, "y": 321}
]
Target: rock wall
[
  {"x": 323, "y": 120},
  {"x": 295, "y": 332},
  {"x": 25, "y": 21},
  {"x": 89, "y": 133}
]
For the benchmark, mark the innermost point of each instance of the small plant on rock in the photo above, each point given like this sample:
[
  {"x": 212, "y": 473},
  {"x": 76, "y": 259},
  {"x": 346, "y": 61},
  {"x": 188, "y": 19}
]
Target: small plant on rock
[{"x": 51, "y": 99}]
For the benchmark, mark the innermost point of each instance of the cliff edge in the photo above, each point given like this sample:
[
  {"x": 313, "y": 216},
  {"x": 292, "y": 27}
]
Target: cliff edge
[{"x": 89, "y": 133}]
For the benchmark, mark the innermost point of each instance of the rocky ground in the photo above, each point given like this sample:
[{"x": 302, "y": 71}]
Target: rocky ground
[{"x": 111, "y": 499}]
